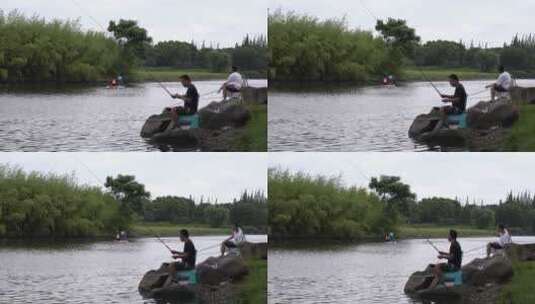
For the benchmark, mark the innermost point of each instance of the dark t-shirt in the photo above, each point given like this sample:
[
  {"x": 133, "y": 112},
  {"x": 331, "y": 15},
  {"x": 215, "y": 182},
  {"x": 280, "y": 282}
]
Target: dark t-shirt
[
  {"x": 460, "y": 93},
  {"x": 456, "y": 255},
  {"x": 192, "y": 104},
  {"x": 189, "y": 248}
]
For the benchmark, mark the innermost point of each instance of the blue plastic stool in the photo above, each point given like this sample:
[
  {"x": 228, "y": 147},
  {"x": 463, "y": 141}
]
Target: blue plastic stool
[
  {"x": 456, "y": 277},
  {"x": 459, "y": 119},
  {"x": 187, "y": 275},
  {"x": 191, "y": 120}
]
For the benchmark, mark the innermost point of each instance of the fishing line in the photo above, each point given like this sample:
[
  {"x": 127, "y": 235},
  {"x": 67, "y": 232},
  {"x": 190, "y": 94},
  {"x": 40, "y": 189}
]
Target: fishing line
[
  {"x": 90, "y": 17},
  {"x": 89, "y": 170},
  {"x": 368, "y": 10}
]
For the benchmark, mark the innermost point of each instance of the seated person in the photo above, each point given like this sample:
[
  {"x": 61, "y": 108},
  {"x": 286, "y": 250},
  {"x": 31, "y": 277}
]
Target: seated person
[
  {"x": 457, "y": 100},
  {"x": 187, "y": 256},
  {"x": 454, "y": 258},
  {"x": 234, "y": 240},
  {"x": 504, "y": 238},
  {"x": 502, "y": 84},
  {"x": 233, "y": 84},
  {"x": 191, "y": 101}
]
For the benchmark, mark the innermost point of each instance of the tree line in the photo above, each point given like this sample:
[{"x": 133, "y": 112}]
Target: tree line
[
  {"x": 305, "y": 206},
  {"x": 34, "y": 50},
  {"x": 47, "y": 205},
  {"x": 518, "y": 55},
  {"x": 250, "y": 55},
  {"x": 304, "y": 48}
]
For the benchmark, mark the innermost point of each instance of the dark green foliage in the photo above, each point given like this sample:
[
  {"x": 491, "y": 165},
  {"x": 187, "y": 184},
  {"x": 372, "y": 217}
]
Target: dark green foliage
[
  {"x": 33, "y": 204},
  {"x": 306, "y": 49},
  {"x": 305, "y": 206},
  {"x": 216, "y": 216},
  {"x": 129, "y": 192},
  {"x": 171, "y": 209},
  {"x": 33, "y": 50},
  {"x": 398, "y": 35},
  {"x": 251, "y": 55},
  {"x": 396, "y": 194}
]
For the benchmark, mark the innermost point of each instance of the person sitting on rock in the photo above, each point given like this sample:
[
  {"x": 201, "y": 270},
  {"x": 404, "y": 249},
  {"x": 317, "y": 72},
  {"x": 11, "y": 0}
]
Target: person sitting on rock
[
  {"x": 502, "y": 84},
  {"x": 188, "y": 255},
  {"x": 457, "y": 100},
  {"x": 504, "y": 238},
  {"x": 234, "y": 240},
  {"x": 191, "y": 101},
  {"x": 233, "y": 84},
  {"x": 454, "y": 258}
]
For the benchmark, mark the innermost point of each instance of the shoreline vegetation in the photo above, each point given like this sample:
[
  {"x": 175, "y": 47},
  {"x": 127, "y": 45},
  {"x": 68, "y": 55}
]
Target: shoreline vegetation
[
  {"x": 36, "y": 51},
  {"x": 40, "y": 206},
  {"x": 302, "y": 51},
  {"x": 322, "y": 207},
  {"x": 520, "y": 137}
]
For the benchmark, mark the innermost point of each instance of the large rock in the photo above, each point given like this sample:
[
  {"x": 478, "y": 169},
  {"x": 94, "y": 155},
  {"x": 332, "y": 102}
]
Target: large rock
[
  {"x": 254, "y": 250},
  {"x": 216, "y": 270},
  {"x": 523, "y": 95},
  {"x": 485, "y": 115},
  {"x": 518, "y": 252},
  {"x": 255, "y": 95},
  {"x": 477, "y": 273},
  {"x": 229, "y": 113}
]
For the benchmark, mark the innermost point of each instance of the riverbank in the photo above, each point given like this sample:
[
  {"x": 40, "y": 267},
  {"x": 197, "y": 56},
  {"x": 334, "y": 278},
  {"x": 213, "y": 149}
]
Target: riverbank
[
  {"x": 146, "y": 229},
  {"x": 521, "y": 137},
  {"x": 254, "y": 288},
  {"x": 254, "y": 137},
  {"x": 166, "y": 74},
  {"x": 520, "y": 289},
  {"x": 441, "y": 74},
  {"x": 434, "y": 231}
]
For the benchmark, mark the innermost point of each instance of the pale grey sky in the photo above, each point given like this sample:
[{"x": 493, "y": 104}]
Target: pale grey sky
[
  {"x": 490, "y": 21},
  {"x": 479, "y": 176},
  {"x": 210, "y": 20},
  {"x": 221, "y": 176}
]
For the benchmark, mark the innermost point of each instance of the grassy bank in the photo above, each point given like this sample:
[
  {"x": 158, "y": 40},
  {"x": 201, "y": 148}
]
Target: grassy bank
[
  {"x": 434, "y": 231},
  {"x": 254, "y": 138},
  {"x": 521, "y": 136},
  {"x": 520, "y": 289},
  {"x": 441, "y": 74},
  {"x": 254, "y": 288},
  {"x": 144, "y": 229}
]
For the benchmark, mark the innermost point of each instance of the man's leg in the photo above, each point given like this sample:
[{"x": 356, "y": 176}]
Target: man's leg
[
  {"x": 488, "y": 250},
  {"x": 437, "y": 272},
  {"x": 493, "y": 93},
  {"x": 223, "y": 248}
]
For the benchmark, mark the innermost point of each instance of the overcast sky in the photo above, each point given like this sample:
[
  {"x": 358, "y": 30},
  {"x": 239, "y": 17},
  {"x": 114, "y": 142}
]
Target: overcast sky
[
  {"x": 211, "y": 20},
  {"x": 479, "y": 176},
  {"x": 490, "y": 21},
  {"x": 216, "y": 175}
]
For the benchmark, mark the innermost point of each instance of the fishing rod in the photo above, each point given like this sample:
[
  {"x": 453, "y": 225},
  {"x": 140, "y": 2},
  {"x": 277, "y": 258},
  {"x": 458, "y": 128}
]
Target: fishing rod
[
  {"x": 165, "y": 88},
  {"x": 428, "y": 80},
  {"x": 433, "y": 245},
  {"x": 161, "y": 241}
]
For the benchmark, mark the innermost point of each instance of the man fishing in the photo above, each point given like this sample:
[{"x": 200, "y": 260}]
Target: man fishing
[
  {"x": 191, "y": 101},
  {"x": 457, "y": 100},
  {"x": 233, "y": 84},
  {"x": 454, "y": 259},
  {"x": 187, "y": 256},
  {"x": 504, "y": 238},
  {"x": 234, "y": 240},
  {"x": 502, "y": 84}
]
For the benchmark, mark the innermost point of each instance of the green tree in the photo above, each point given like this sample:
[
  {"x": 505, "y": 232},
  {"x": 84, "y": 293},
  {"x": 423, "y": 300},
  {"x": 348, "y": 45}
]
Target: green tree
[
  {"x": 129, "y": 192},
  {"x": 396, "y": 194},
  {"x": 216, "y": 216}
]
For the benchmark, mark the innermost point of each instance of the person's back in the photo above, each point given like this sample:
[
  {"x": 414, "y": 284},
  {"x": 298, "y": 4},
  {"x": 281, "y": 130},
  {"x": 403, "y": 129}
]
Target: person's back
[
  {"x": 238, "y": 237},
  {"x": 460, "y": 93},
  {"x": 456, "y": 254},
  {"x": 504, "y": 238},
  {"x": 191, "y": 252},
  {"x": 235, "y": 79},
  {"x": 192, "y": 104},
  {"x": 504, "y": 80}
]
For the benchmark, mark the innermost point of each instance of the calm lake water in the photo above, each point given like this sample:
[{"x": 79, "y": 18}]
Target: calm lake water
[
  {"x": 356, "y": 119},
  {"x": 75, "y": 118},
  {"x": 365, "y": 274},
  {"x": 102, "y": 272}
]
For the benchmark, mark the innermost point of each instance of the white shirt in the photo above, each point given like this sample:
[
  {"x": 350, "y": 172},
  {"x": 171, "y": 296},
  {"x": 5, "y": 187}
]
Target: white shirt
[
  {"x": 238, "y": 237},
  {"x": 235, "y": 80},
  {"x": 504, "y": 238},
  {"x": 504, "y": 80}
]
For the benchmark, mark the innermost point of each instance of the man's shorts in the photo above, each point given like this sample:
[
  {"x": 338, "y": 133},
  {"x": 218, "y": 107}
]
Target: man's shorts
[
  {"x": 229, "y": 244},
  {"x": 232, "y": 89},
  {"x": 499, "y": 88},
  {"x": 495, "y": 246},
  {"x": 447, "y": 267},
  {"x": 450, "y": 110}
]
